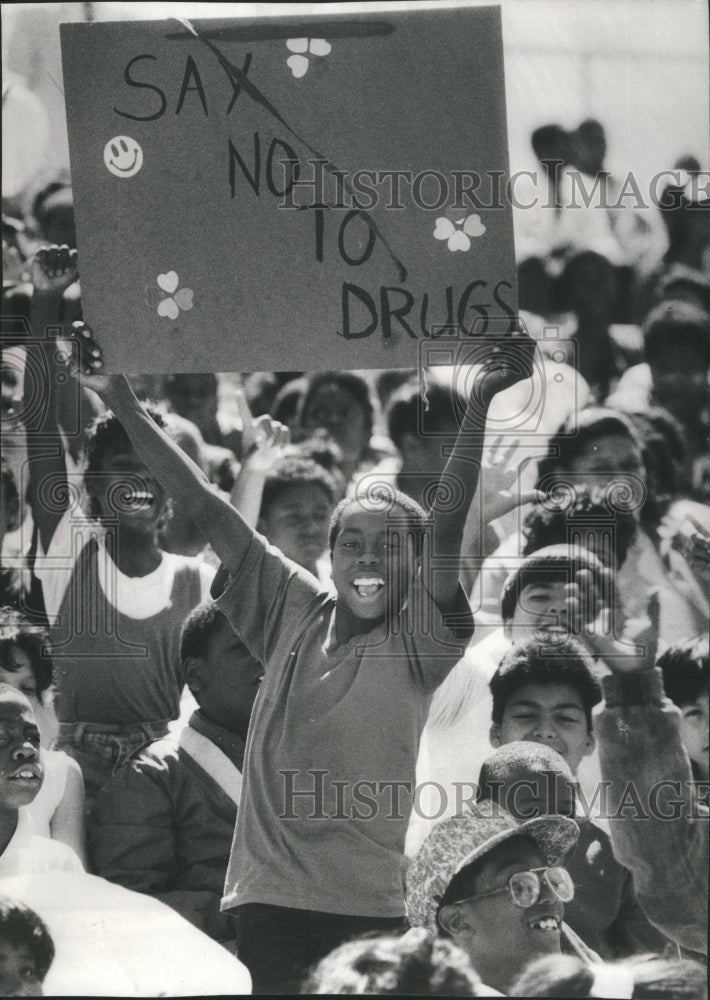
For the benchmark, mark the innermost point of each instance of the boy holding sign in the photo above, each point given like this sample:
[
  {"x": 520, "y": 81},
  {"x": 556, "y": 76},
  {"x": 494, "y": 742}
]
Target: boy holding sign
[{"x": 318, "y": 853}]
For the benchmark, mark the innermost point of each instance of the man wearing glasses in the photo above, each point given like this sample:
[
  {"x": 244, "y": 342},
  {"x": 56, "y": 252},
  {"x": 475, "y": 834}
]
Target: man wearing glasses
[{"x": 497, "y": 888}]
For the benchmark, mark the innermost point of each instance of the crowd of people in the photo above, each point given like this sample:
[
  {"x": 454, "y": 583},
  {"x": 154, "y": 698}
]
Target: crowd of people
[{"x": 364, "y": 696}]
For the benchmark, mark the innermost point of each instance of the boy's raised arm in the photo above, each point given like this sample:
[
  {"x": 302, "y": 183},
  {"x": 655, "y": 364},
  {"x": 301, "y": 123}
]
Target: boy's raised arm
[
  {"x": 502, "y": 363},
  {"x": 223, "y": 527}
]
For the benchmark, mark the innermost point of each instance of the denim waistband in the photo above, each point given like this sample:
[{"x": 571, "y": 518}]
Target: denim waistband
[{"x": 151, "y": 730}]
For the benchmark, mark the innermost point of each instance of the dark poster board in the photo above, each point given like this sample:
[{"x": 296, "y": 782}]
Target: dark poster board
[{"x": 197, "y": 251}]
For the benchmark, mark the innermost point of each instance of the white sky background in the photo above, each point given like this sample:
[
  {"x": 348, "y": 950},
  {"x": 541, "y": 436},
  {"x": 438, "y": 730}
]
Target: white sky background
[{"x": 639, "y": 66}]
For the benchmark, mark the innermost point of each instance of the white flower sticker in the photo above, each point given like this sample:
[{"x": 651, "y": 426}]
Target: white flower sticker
[
  {"x": 176, "y": 298},
  {"x": 459, "y": 238},
  {"x": 303, "y": 47}
]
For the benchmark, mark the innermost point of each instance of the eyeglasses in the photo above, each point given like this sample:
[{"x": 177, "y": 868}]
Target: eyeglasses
[{"x": 525, "y": 887}]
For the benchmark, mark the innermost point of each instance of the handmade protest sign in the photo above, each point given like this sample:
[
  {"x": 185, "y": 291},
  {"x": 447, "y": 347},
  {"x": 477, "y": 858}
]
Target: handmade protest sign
[{"x": 302, "y": 193}]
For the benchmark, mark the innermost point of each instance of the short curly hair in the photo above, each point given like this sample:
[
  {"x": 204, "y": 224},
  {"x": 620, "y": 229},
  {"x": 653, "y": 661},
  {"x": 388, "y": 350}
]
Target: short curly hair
[
  {"x": 106, "y": 435},
  {"x": 18, "y": 632},
  {"x": 545, "y": 525},
  {"x": 536, "y": 662},
  {"x": 686, "y": 670},
  {"x": 417, "y": 518},
  {"x": 20, "y": 925},
  {"x": 416, "y": 964}
]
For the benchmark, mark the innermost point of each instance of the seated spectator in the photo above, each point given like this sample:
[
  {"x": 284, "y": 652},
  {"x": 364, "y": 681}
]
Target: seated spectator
[
  {"x": 345, "y": 406},
  {"x": 58, "y": 809},
  {"x": 21, "y": 774},
  {"x": 646, "y": 978},
  {"x": 589, "y": 290},
  {"x": 297, "y": 502},
  {"x": 686, "y": 678},
  {"x": 415, "y": 964},
  {"x": 532, "y": 779},
  {"x": 420, "y": 429},
  {"x": 164, "y": 824},
  {"x": 26, "y": 950},
  {"x": 675, "y": 372},
  {"x": 195, "y": 397},
  {"x": 584, "y": 522},
  {"x": 496, "y": 887}
]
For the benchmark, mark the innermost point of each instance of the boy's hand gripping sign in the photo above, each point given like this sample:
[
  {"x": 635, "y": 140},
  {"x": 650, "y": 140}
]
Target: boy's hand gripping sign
[{"x": 304, "y": 193}]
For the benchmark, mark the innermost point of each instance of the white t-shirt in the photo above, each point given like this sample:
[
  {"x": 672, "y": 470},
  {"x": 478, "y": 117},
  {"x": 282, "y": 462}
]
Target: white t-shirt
[
  {"x": 27, "y": 854},
  {"x": 137, "y": 597}
]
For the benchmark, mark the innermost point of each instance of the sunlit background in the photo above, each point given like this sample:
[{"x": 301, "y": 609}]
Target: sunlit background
[{"x": 639, "y": 66}]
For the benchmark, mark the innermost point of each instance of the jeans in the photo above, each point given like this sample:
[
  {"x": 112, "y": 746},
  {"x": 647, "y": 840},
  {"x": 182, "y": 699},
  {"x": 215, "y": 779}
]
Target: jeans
[
  {"x": 279, "y": 944},
  {"x": 101, "y": 749}
]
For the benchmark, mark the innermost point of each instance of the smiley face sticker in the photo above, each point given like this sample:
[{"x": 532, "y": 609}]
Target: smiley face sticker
[{"x": 123, "y": 156}]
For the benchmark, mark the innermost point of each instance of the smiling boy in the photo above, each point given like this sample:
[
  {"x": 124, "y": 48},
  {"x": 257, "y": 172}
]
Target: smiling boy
[
  {"x": 545, "y": 693},
  {"x": 347, "y": 682},
  {"x": 496, "y": 887}
]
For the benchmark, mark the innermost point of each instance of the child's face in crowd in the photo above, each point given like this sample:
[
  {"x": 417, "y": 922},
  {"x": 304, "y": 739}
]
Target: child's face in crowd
[
  {"x": 694, "y": 732},
  {"x": 495, "y": 932},
  {"x": 18, "y": 974},
  {"x": 551, "y": 714},
  {"x": 679, "y": 373},
  {"x": 21, "y": 772},
  {"x": 194, "y": 397},
  {"x": 605, "y": 458},
  {"x": 372, "y": 568},
  {"x": 297, "y": 522},
  {"x": 541, "y": 609},
  {"x": 337, "y": 411},
  {"x": 229, "y": 679},
  {"x": 126, "y": 489},
  {"x": 22, "y": 678}
]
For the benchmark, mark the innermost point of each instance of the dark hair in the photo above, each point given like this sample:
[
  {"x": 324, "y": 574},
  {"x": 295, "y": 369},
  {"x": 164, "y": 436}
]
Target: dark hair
[
  {"x": 292, "y": 470},
  {"x": 574, "y": 436},
  {"x": 354, "y": 384},
  {"x": 654, "y": 978},
  {"x": 18, "y": 632},
  {"x": 686, "y": 670},
  {"x": 536, "y": 662},
  {"x": 106, "y": 435},
  {"x": 198, "y": 628},
  {"x": 554, "y": 564},
  {"x": 417, "y": 518},
  {"x": 9, "y": 495},
  {"x": 676, "y": 321},
  {"x": 680, "y": 281},
  {"x": 507, "y": 761},
  {"x": 416, "y": 964},
  {"x": 668, "y": 467},
  {"x": 286, "y": 403},
  {"x": 20, "y": 925},
  {"x": 546, "y": 525},
  {"x": 408, "y": 413}
]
